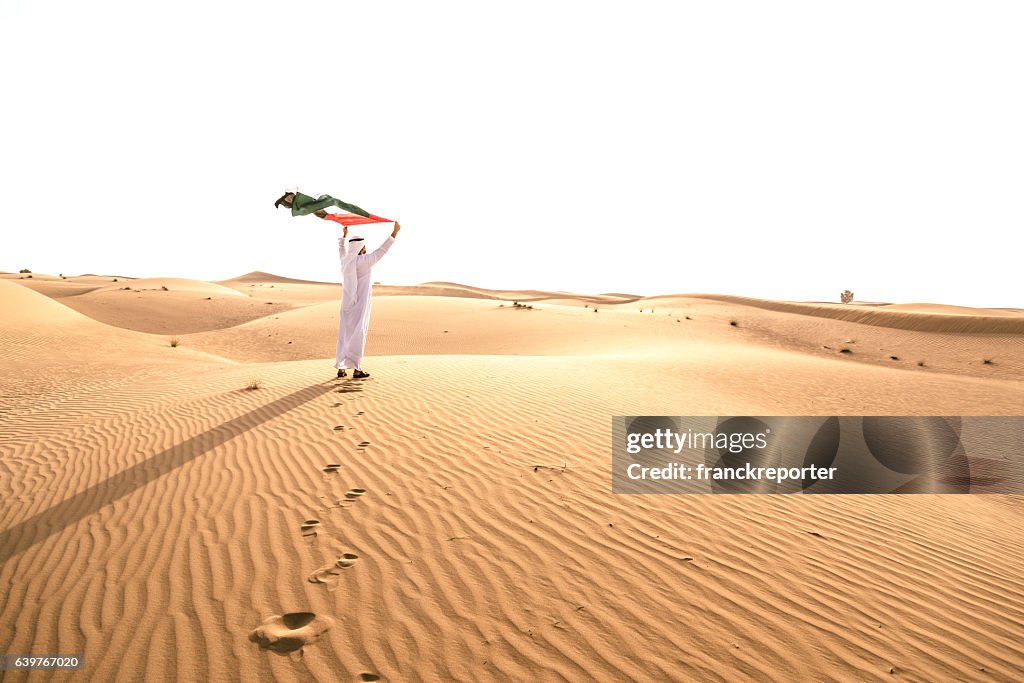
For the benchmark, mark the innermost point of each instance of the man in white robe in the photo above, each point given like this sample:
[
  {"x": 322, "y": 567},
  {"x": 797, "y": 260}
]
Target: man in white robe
[{"x": 357, "y": 286}]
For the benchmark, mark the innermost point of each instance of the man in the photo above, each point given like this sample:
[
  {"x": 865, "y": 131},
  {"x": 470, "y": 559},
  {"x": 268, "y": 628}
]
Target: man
[
  {"x": 356, "y": 267},
  {"x": 304, "y": 204}
]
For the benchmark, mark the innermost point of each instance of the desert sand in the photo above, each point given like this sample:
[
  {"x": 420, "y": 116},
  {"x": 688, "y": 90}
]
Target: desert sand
[{"x": 451, "y": 518}]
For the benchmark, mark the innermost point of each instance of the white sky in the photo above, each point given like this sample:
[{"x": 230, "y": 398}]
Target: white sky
[{"x": 772, "y": 149}]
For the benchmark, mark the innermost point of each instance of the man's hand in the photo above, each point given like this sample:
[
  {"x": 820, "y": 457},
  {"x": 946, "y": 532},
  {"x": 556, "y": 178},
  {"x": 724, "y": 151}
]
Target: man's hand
[
  {"x": 320, "y": 214},
  {"x": 345, "y": 232},
  {"x": 398, "y": 226}
]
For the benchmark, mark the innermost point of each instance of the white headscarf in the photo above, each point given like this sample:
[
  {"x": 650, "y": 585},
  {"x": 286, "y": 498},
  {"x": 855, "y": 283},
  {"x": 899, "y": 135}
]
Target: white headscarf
[{"x": 355, "y": 245}]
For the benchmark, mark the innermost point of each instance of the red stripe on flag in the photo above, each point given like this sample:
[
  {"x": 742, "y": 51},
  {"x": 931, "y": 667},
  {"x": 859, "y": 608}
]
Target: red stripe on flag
[{"x": 353, "y": 219}]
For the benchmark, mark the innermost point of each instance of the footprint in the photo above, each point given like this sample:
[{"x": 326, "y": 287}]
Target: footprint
[
  {"x": 364, "y": 444},
  {"x": 288, "y": 634},
  {"x": 339, "y": 428},
  {"x": 351, "y": 496},
  {"x": 346, "y": 560},
  {"x": 369, "y": 677},
  {"x": 331, "y": 468},
  {"x": 309, "y": 527},
  {"x": 329, "y": 575}
]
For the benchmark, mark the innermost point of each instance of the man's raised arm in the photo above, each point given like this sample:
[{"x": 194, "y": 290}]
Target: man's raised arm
[
  {"x": 379, "y": 252},
  {"x": 341, "y": 245}
]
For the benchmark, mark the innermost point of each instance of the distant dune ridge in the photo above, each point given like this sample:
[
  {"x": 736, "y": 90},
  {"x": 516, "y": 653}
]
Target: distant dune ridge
[
  {"x": 260, "y": 276},
  {"x": 452, "y": 518}
]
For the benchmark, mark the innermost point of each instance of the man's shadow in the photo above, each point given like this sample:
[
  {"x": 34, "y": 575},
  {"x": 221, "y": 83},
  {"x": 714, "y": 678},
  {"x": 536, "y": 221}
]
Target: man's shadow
[{"x": 70, "y": 511}]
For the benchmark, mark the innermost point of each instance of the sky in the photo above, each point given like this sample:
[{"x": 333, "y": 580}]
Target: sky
[{"x": 782, "y": 150}]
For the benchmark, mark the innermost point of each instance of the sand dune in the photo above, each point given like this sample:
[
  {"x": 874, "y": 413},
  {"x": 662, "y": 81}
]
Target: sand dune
[
  {"x": 86, "y": 278},
  {"x": 23, "y": 309},
  {"x": 943, "y": 309},
  {"x": 171, "y": 306},
  {"x": 451, "y": 518},
  {"x": 527, "y": 295},
  {"x": 919, "y": 317},
  {"x": 174, "y": 284},
  {"x": 443, "y": 325}
]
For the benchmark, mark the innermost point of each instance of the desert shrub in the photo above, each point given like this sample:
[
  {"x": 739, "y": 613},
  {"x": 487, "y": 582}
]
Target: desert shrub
[{"x": 846, "y": 296}]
